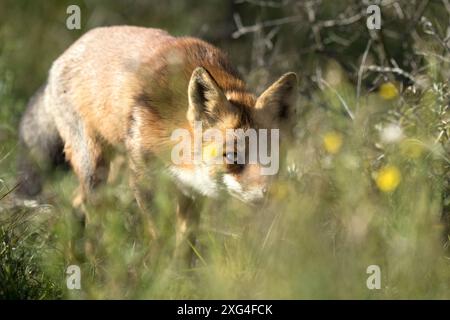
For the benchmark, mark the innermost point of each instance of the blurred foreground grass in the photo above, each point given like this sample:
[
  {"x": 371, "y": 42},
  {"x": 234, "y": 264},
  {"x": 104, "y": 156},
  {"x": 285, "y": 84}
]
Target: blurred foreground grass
[{"x": 364, "y": 183}]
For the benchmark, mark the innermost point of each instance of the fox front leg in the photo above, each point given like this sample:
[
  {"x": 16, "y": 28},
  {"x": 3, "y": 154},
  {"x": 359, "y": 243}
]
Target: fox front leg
[
  {"x": 140, "y": 183},
  {"x": 188, "y": 217}
]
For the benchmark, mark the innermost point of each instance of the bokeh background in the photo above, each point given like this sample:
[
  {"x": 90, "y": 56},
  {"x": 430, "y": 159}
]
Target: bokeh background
[{"x": 365, "y": 181}]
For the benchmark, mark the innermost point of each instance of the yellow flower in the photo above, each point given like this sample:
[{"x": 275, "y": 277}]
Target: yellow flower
[
  {"x": 332, "y": 141},
  {"x": 388, "y": 91},
  {"x": 411, "y": 148},
  {"x": 388, "y": 178}
]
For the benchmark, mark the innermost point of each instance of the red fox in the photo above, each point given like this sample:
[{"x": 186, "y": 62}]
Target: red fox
[{"x": 127, "y": 89}]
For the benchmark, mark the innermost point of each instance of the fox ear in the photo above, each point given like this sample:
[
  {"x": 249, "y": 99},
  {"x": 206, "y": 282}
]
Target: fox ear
[
  {"x": 206, "y": 99},
  {"x": 275, "y": 106}
]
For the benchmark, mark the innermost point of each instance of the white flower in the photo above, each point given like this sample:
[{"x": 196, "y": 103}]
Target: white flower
[{"x": 391, "y": 133}]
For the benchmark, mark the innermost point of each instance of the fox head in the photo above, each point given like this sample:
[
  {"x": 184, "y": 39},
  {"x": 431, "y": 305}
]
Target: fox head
[{"x": 234, "y": 127}]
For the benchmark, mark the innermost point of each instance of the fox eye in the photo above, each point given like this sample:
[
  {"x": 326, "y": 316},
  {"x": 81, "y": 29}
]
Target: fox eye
[
  {"x": 233, "y": 165},
  {"x": 231, "y": 157}
]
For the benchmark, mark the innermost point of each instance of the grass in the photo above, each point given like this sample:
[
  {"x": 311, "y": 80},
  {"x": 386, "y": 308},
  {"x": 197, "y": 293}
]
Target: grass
[
  {"x": 353, "y": 191},
  {"x": 329, "y": 218},
  {"x": 22, "y": 248}
]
